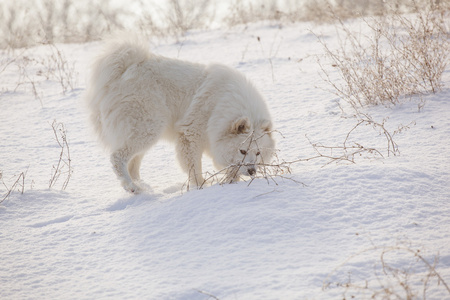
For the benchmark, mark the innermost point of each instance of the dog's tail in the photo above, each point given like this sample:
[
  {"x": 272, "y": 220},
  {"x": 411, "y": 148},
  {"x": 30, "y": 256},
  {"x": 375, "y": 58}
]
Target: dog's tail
[{"x": 118, "y": 55}]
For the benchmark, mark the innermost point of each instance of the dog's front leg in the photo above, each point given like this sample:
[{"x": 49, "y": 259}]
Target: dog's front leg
[{"x": 189, "y": 153}]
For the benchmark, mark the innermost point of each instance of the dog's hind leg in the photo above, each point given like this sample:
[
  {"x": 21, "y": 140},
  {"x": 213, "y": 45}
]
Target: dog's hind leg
[
  {"x": 127, "y": 159},
  {"x": 120, "y": 160},
  {"x": 134, "y": 165}
]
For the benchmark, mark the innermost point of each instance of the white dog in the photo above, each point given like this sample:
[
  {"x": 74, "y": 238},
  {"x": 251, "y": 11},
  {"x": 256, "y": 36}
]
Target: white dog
[{"x": 135, "y": 98}]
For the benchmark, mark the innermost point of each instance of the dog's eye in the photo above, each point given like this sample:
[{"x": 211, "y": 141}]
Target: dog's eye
[
  {"x": 258, "y": 153},
  {"x": 243, "y": 152}
]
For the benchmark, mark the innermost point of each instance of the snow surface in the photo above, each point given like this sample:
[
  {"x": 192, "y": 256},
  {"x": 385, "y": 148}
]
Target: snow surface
[{"x": 238, "y": 241}]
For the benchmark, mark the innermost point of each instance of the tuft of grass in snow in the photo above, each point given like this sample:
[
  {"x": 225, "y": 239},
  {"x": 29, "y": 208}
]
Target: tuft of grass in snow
[
  {"x": 54, "y": 66},
  {"x": 270, "y": 171},
  {"x": 62, "y": 167},
  {"x": 57, "y": 67},
  {"x": 401, "y": 272},
  {"x": 403, "y": 55}
]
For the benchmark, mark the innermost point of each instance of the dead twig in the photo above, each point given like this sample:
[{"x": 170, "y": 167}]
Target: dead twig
[
  {"x": 64, "y": 163},
  {"x": 394, "y": 280},
  {"x": 207, "y": 294},
  {"x": 19, "y": 182},
  {"x": 270, "y": 171}
]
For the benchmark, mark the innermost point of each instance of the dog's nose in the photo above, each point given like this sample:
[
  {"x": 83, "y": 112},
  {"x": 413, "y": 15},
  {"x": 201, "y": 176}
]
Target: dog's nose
[{"x": 251, "y": 171}]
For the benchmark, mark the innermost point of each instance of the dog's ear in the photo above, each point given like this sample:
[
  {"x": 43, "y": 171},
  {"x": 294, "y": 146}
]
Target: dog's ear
[
  {"x": 241, "y": 125},
  {"x": 266, "y": 126}
]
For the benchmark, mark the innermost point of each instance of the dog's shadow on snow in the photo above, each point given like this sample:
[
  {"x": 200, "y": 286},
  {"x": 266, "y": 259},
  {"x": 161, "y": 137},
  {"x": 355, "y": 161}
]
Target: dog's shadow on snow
[{"x": 132, "y": 200}]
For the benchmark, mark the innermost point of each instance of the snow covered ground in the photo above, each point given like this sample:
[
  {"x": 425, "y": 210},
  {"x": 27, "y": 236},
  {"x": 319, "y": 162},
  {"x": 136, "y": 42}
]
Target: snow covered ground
[{"x": 238, "y": 241}]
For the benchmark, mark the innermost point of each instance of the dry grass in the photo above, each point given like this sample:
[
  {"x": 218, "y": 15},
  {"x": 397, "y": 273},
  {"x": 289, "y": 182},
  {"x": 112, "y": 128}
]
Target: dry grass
[
  {"x": 210, "y": 296},
  {"x": 56, "y": 67},
  {"x": 401, "y": 272},
  {"x": 27, "y": 23},
  {"x": 319, "y": 11},
  {"x": 32, "y": 71},
  {"x": 403, "y": 55},
  {"x": 244, "y": 12},
  {"x": 64, "y": 164},
  {"x": 18, "y": 185},
  {"x": 62, "y": 168},
  {"x": 174, "y": 19},
  {"x": 23, "y": 64},
  {"x": 271, "y": 171}
]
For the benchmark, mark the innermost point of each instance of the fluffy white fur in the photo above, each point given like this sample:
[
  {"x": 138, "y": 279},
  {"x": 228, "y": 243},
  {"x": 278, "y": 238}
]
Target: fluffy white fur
[{"x": 135, "y": 98}]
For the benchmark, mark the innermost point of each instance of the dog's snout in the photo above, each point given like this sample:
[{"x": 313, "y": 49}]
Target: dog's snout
[{"x": 251, "y": 171}]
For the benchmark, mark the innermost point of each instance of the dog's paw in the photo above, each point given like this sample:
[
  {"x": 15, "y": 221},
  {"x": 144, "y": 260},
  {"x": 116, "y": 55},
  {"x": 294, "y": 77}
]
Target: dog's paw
[{"x": 133, "y": 188}]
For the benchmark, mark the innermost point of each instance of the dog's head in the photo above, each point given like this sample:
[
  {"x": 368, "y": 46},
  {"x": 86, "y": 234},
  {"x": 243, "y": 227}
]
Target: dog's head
[{"x": 244, "y": 146}]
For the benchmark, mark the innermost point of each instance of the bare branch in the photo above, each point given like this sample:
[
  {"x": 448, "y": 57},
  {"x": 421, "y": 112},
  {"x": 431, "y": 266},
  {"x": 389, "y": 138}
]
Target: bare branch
[
  {"x": 64, "y": 163},
  {"x": 18, "y": 183}
]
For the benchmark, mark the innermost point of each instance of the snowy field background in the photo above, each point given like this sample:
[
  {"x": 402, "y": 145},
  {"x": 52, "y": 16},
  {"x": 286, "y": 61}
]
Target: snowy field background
[{"x": 259, "y": 241}]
